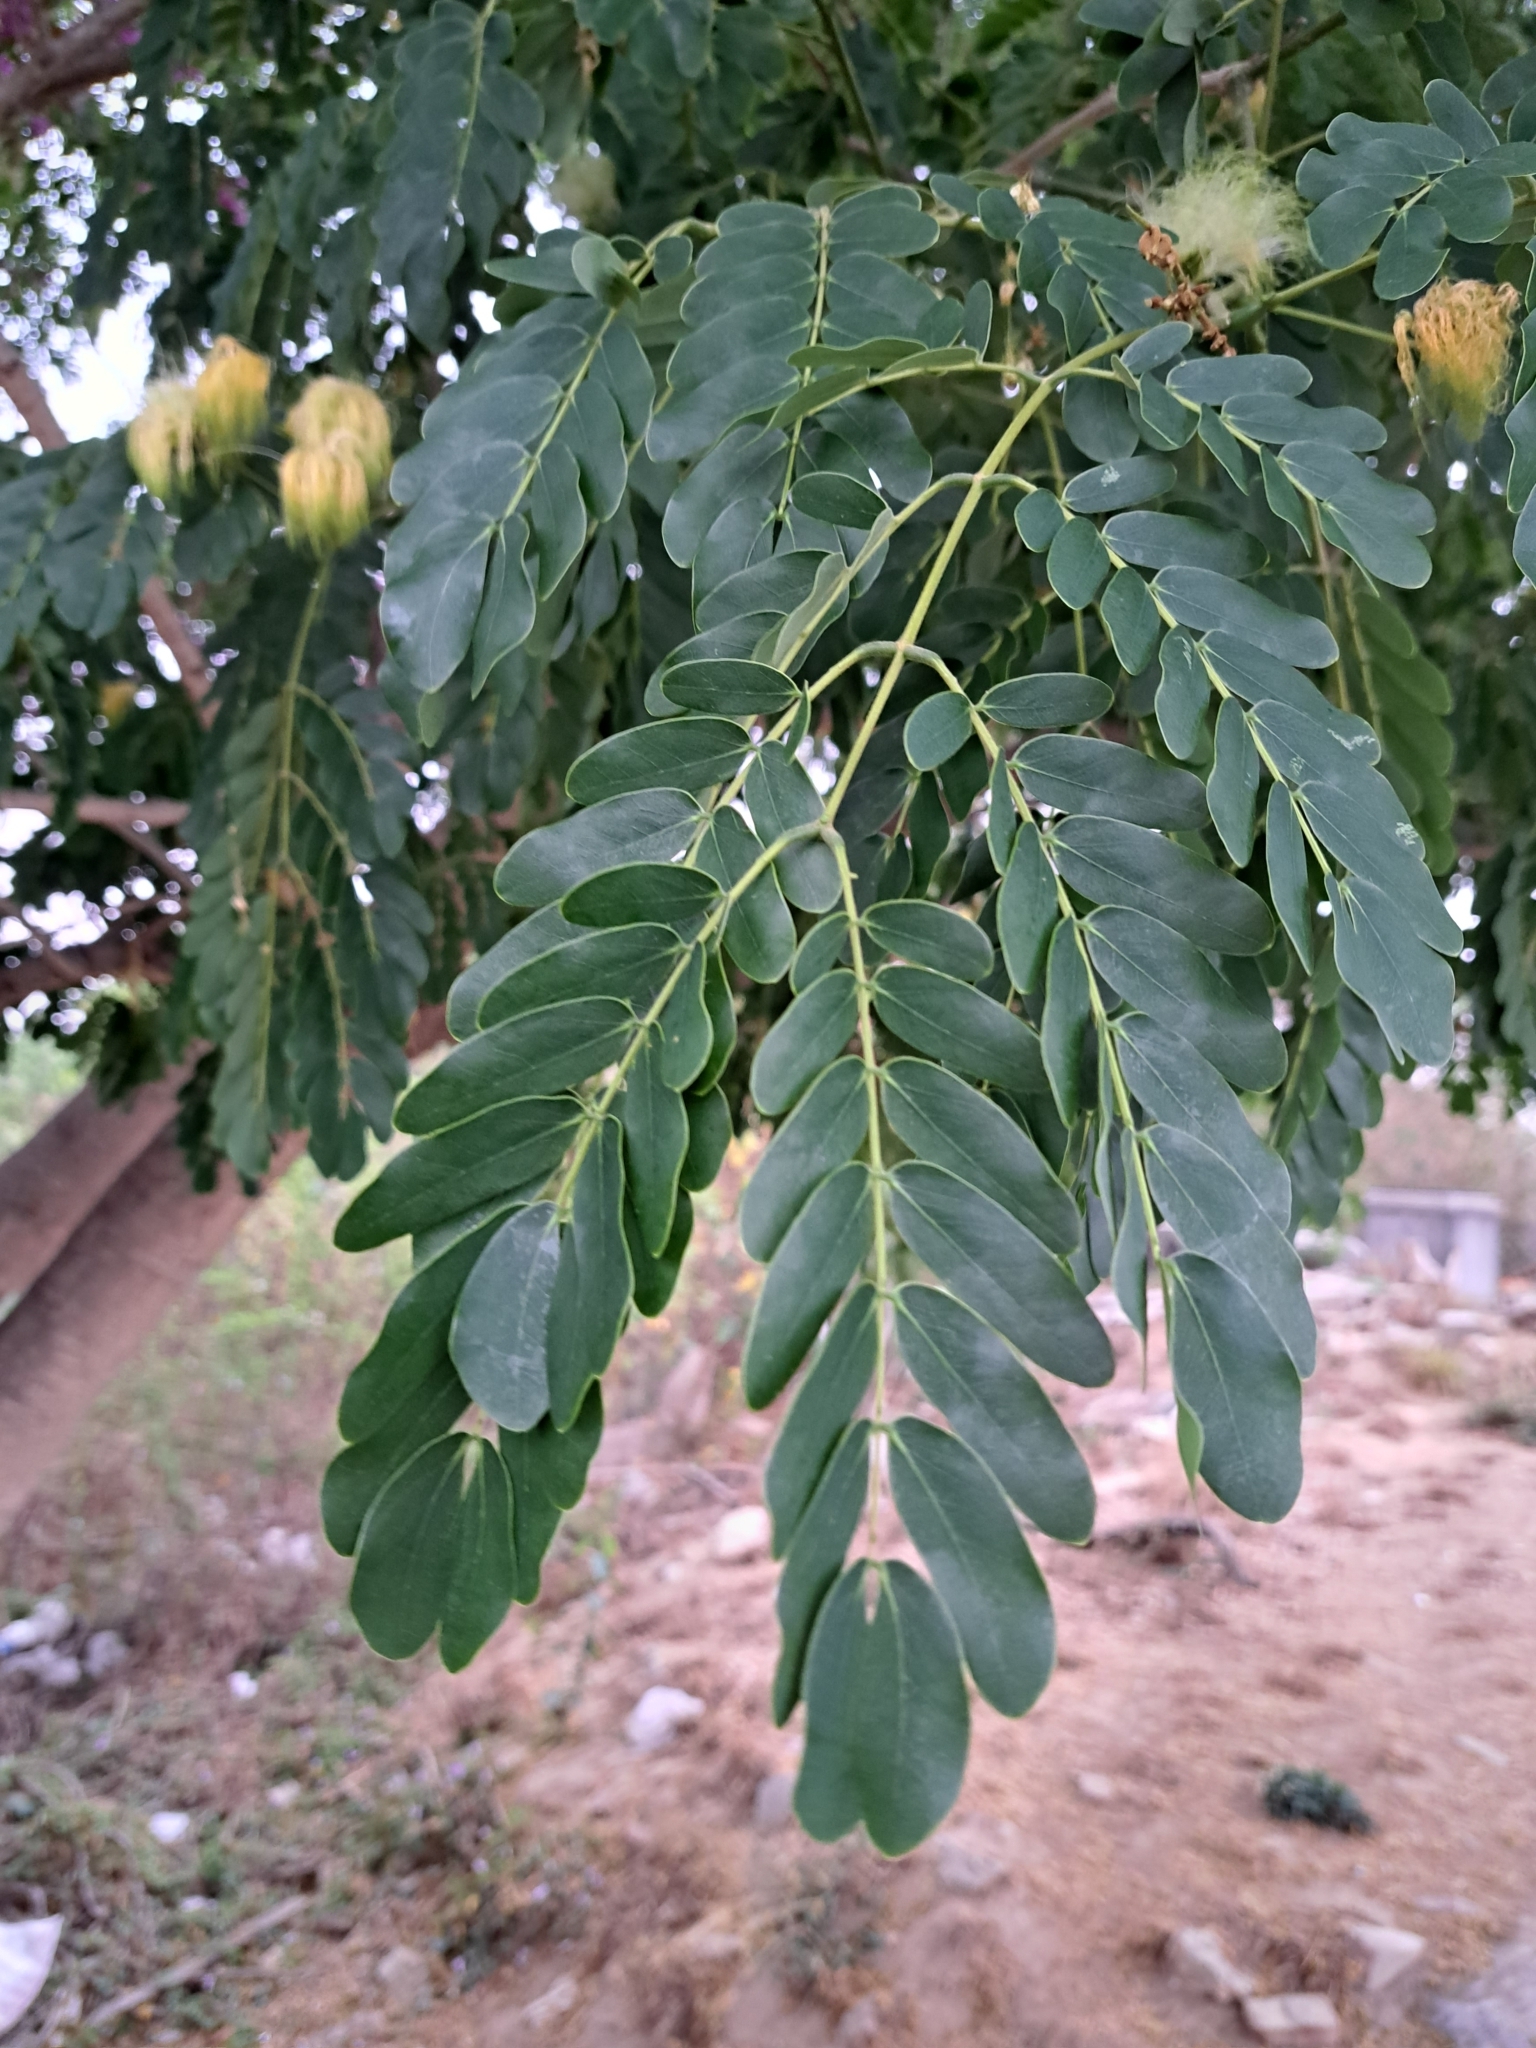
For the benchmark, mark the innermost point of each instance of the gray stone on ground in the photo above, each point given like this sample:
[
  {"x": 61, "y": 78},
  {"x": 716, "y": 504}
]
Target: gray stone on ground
[
  {"x": 773, "y": 1803},
  {"x": 962, "y": 1868},
  {"x": 1196, "y": 1959},
  {"x": 859, "y": 2025},
  {"x": 1393, "y": 1961},
  {"x": 104, "y": 1651},
  {"x": 1390, "y": 1953},
  {"x": 405, "y": 1977},
  {"x": 975, "y": 1853},
  {"x": 659, "y": 1713},
  {"x": 741, "y": 1536},
  {"x": 1298, "y": 2019},
  {"x": 1498, "y": 2009},
  {"x": 557, "y": 2001}
]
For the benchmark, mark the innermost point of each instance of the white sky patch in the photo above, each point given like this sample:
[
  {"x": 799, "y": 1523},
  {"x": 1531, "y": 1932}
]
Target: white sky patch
[
  {"x": 102, "y": 386},
  {"x": 543, "y": 214}
]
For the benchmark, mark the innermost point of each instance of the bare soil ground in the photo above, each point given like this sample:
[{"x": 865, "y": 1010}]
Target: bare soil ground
[{"x": 522, "y": 1874}]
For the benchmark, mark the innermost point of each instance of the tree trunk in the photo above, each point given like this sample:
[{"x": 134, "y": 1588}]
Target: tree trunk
[
  {"x": 139, "y": 1247},
  {"x": 53, "y": 1182}
]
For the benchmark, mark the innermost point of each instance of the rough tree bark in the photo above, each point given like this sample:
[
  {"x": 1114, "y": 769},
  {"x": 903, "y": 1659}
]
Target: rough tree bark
[
  {"x": 58, "y": 64},
  {"x": 129, "y": 1260},
  {"x": 50, "y": 1186}
]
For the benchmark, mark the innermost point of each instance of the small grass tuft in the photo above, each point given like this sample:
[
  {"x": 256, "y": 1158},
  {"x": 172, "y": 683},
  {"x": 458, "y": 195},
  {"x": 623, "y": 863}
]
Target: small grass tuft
[{"x": 1314, "y": 1796}]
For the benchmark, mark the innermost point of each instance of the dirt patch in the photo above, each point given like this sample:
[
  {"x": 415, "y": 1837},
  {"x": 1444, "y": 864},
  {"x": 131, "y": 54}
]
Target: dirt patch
[{"x": 484, "y": 1860}]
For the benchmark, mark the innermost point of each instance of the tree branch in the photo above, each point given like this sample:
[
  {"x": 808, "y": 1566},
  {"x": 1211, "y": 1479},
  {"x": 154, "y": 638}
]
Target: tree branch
[
  {"x": 156, "y": 602},
  {"x": 159, "y": 608},
  {"x": 131, "y": 821},
  {"x": 144, "y": 1242},
  {"x": 1102, "y": 105},
  {"x": 124, "y": 950},
  {"x": 117, "y": 813},
  {"x": 57, "y": 65},
  {"x": 50, "y": 1186}
]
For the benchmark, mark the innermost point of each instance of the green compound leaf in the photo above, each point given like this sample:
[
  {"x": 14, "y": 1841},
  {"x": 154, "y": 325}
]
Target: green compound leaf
[
  {"x": 1003, "y": 1272},
  {"x": 999, "y": 1408},
  {"x": 1230, "y": 1372},
  {"x": 818, "y": 1256},
  {"x": 499, "y": 1336},
  {"x": 832, "y": 1389},
  {"x": 965, "y": 1532},
  {"x": 1109, "y": 862},
  {"x": 887, "y": 1722},
  {"x": 1100, "y": 778},
  {"x": 436, "y": 1553},
  {"x": 948, "y": 1123}
]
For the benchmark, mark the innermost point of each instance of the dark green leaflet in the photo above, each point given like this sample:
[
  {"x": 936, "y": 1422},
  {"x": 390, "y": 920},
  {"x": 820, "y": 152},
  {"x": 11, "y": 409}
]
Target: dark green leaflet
[
  {"x": 1111, "y": 862},
  {"x": 533, "y": 1055},
  {"x": 818, "y": 1256},
  {"x": 999, "y": 1408},
  {"x": 823, "y": 1408},
  {"x": 502, "y": 1151},
  {"x": 1158, "y": 971},
  {"x": 592, "y": 1283},
  {"x": 815, "y": 1557},
  {"x": 887, "y": 1723},
  {"x": 981, "y": 1565},
  {"x": 630, "y": 962},
  {"x": 1001, "y": 1271},
  {"x": 827, "y": 1128},
  {"x": 498, "y": 1335},
  {"x": 955, "y": 1023},
  {"x": 949, "y": 1124}
]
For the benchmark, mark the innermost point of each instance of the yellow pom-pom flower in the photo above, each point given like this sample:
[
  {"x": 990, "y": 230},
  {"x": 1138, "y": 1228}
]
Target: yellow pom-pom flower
[
  {"x": 231, "y": 399},
  {"x": 1453, "y": 350},
  {"x": 334, "y": 405},
  {"x": 1234, "y": 221},
  {"x": 325, "y": 494},
  {"x": 162, "y": 441}
]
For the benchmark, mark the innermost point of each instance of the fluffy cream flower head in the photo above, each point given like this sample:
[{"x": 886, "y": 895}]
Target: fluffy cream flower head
[
  {"x": 230, "y": 399},
  {"x": 1453, "y": 349},
  {"x": 162, "y": 440},
  {"x": 1233, "y": 220},
  {"x": 334, "y": 405},
  {"x": 325, "y": 494}
]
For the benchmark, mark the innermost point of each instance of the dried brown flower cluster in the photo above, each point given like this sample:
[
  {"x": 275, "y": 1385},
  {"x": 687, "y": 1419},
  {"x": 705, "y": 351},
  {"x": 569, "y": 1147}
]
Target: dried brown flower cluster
[{"x": 1187, "y": 299}]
